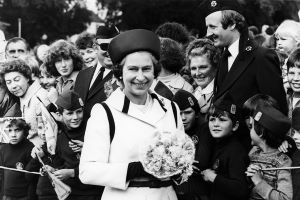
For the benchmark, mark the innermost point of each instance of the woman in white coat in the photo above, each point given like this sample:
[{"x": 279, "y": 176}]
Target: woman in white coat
[{"x": 137, "y": 113}]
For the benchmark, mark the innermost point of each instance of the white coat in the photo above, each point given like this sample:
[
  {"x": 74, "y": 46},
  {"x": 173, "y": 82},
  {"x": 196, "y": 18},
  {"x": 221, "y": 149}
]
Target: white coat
[{"x": 104, "y": 163}]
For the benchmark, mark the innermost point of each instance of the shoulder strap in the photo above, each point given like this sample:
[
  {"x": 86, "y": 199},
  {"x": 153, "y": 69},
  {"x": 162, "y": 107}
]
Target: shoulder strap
[
  {"x": 174, "y": 112},
  {"x": 110, "y": 121}
]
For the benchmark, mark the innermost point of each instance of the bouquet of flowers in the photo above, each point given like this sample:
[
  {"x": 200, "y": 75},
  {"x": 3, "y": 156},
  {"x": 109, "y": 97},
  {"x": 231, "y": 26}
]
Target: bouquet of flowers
[{"x": 169, "y": 154}]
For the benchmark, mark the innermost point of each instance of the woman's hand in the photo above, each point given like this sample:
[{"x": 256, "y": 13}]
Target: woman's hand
[
  {"x": 76, "y": 145},
  {"x": 63, "y": 174},
  {"x": 209, "y": 175},
  {"x": 253, "y": 171}
]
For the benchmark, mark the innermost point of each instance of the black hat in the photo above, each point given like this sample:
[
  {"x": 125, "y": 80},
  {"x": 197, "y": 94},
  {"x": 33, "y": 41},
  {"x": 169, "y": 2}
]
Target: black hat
[
  {"x": 210, "y": 6},
  {"x": 106, "y": 32},
  {"x": 133, "y": 41},
  {"x": 226, "y": 103},
  {"x": 272, "y": 119},
  {"x": 296, "y": 119},
  {"x": 69, "y": 100},
  {"x": 185, "y": 100}
]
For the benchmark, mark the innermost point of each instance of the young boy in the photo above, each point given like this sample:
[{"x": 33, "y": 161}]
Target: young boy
[
  {"x": 195, "y": 188},
  {"x": 68, "y": 147},
  {"x": 229, "y": 160},
  {"x": 268, "y": 129},
  {"x": 293, "y": 69},
  {"x": 16, "y": 154}
]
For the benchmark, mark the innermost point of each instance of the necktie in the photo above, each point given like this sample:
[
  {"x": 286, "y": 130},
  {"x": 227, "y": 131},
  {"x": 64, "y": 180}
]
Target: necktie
[
  {"x": 101, "y": 73},
  {"x": 224, "y": 66},
  {"x": 99, "y": 77}
]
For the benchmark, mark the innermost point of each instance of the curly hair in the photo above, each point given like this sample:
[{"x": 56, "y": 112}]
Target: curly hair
[
  {"x": 200, "y": 47},
  {"x": 230, "y": 17},
  {"x": 16, "y": 65},
  {"x": 171, "y": 55},
  {"x": 62, "y": 49},
  {"x": 175, "y": 31},
  {"x": 85, "y": 40}
]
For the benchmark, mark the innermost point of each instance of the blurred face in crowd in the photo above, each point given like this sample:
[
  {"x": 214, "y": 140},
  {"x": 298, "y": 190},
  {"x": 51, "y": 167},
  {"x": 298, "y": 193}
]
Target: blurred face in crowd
[
  {"x": 103, "y": 55},
  {"x": 15, "y": 50},
  {"x": 220, "y": 36},
  {"x": 285, "y": 43},
  {"x": 64, "y": 67},
  {"x": 15, "y": 134},
  {"x": 137, "y": 76},
  {"x": 255, "y": 138},
  {"x": 90, "y": 56},
  {"x": 47, "y": 80},
  {"x": 221, "y": 126},
  {"x": 201, "y": 70},
  {"x": 294, "y": 79},
  {"x": 188, "y": 117},
  {"x": 72, "y": 118},
  {"x": 16, "y": 83}
]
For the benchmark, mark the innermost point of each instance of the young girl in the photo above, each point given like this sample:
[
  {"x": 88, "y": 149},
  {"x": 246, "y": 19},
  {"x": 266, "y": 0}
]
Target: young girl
[
  {"x": 268, "y": 128},
  {"x": 229, "y": 160},
  {"x": 63, "y": 60}
]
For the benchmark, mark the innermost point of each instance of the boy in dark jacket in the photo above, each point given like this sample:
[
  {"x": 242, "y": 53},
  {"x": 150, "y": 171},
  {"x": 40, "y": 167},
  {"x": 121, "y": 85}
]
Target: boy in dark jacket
[
  {"x": 65, "y": 162},
  {"x": 196, "y": 188},
  {"x": 229, "y": 160},
  {"x": 16, "y": 154}
]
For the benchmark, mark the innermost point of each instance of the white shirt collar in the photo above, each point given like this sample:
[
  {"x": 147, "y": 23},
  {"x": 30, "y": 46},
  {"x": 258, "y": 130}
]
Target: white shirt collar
[
  {"x": 234, "y": 48},
  {"x": 209, "y": 88}
]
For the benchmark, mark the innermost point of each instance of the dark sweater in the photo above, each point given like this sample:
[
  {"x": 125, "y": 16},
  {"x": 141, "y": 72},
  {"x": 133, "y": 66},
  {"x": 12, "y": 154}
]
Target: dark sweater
[
  {"x": 230, "y": 161},
  {"x": 196, "y": 186},
  {"x": 15, "y": 156}
]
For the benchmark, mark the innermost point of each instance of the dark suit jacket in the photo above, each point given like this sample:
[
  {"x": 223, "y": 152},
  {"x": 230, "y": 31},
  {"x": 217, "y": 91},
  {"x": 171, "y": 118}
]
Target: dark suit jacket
[
  {"x": 93, "y": 95},
  {"x": 255, "y": 70}
]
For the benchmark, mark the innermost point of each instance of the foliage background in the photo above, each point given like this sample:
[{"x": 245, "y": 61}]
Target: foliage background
[{"x": 62, "y": 18}]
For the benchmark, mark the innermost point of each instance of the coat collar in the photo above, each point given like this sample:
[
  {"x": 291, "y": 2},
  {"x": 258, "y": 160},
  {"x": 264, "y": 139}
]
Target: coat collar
[
  {"x": 157, "y": 109},
  {"x": 31, "y": 91}
]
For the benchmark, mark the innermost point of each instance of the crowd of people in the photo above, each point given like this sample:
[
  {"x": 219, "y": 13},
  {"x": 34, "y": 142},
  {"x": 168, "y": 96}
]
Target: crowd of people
[{"x": 235, "y": 92}]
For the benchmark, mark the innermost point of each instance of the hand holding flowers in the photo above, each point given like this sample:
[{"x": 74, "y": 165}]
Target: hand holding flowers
[{"x": 169, "y": 154}]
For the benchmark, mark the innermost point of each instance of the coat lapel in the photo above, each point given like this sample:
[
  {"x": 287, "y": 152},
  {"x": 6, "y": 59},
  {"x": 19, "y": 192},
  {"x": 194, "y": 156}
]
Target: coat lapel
[
  {"x": 99, "y": 84},
  {"x": 87, "y": 75},
  {"x": 240, "y": 64}
]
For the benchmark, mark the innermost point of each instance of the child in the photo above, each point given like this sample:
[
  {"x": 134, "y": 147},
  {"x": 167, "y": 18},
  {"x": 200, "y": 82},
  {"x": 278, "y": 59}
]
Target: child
[
  {"x": 195, "y": 188},
  {"x": 48, "y": 82},
  {"x": 229, "y": 160},
  {"x": 268, "y": 129},
  {"x": 287, "y": 37},
  {"x": 293, "y": 69},
  {"x": 16, "y": 154},
  {"x": 68, "y": 147}
]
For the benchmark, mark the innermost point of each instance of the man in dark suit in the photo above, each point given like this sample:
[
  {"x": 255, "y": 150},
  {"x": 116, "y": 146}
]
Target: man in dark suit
[
  {"x": 92, "y": 84},
  {"x": 245, "y": 69}
]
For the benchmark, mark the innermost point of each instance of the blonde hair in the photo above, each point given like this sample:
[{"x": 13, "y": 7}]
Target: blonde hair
[{"x": 289, "y": 27}]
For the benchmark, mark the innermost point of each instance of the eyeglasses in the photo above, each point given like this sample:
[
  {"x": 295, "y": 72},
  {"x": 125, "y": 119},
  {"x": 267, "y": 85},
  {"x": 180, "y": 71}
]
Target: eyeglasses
[{"x": 103, "y": 46}]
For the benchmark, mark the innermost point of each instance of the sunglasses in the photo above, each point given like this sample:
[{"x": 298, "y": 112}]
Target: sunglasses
[{"x": 103, "y": 46}]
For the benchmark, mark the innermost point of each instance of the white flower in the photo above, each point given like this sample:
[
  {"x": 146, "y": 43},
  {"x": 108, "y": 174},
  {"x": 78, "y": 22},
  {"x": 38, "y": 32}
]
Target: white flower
[{"x": 169, "y": 154}]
